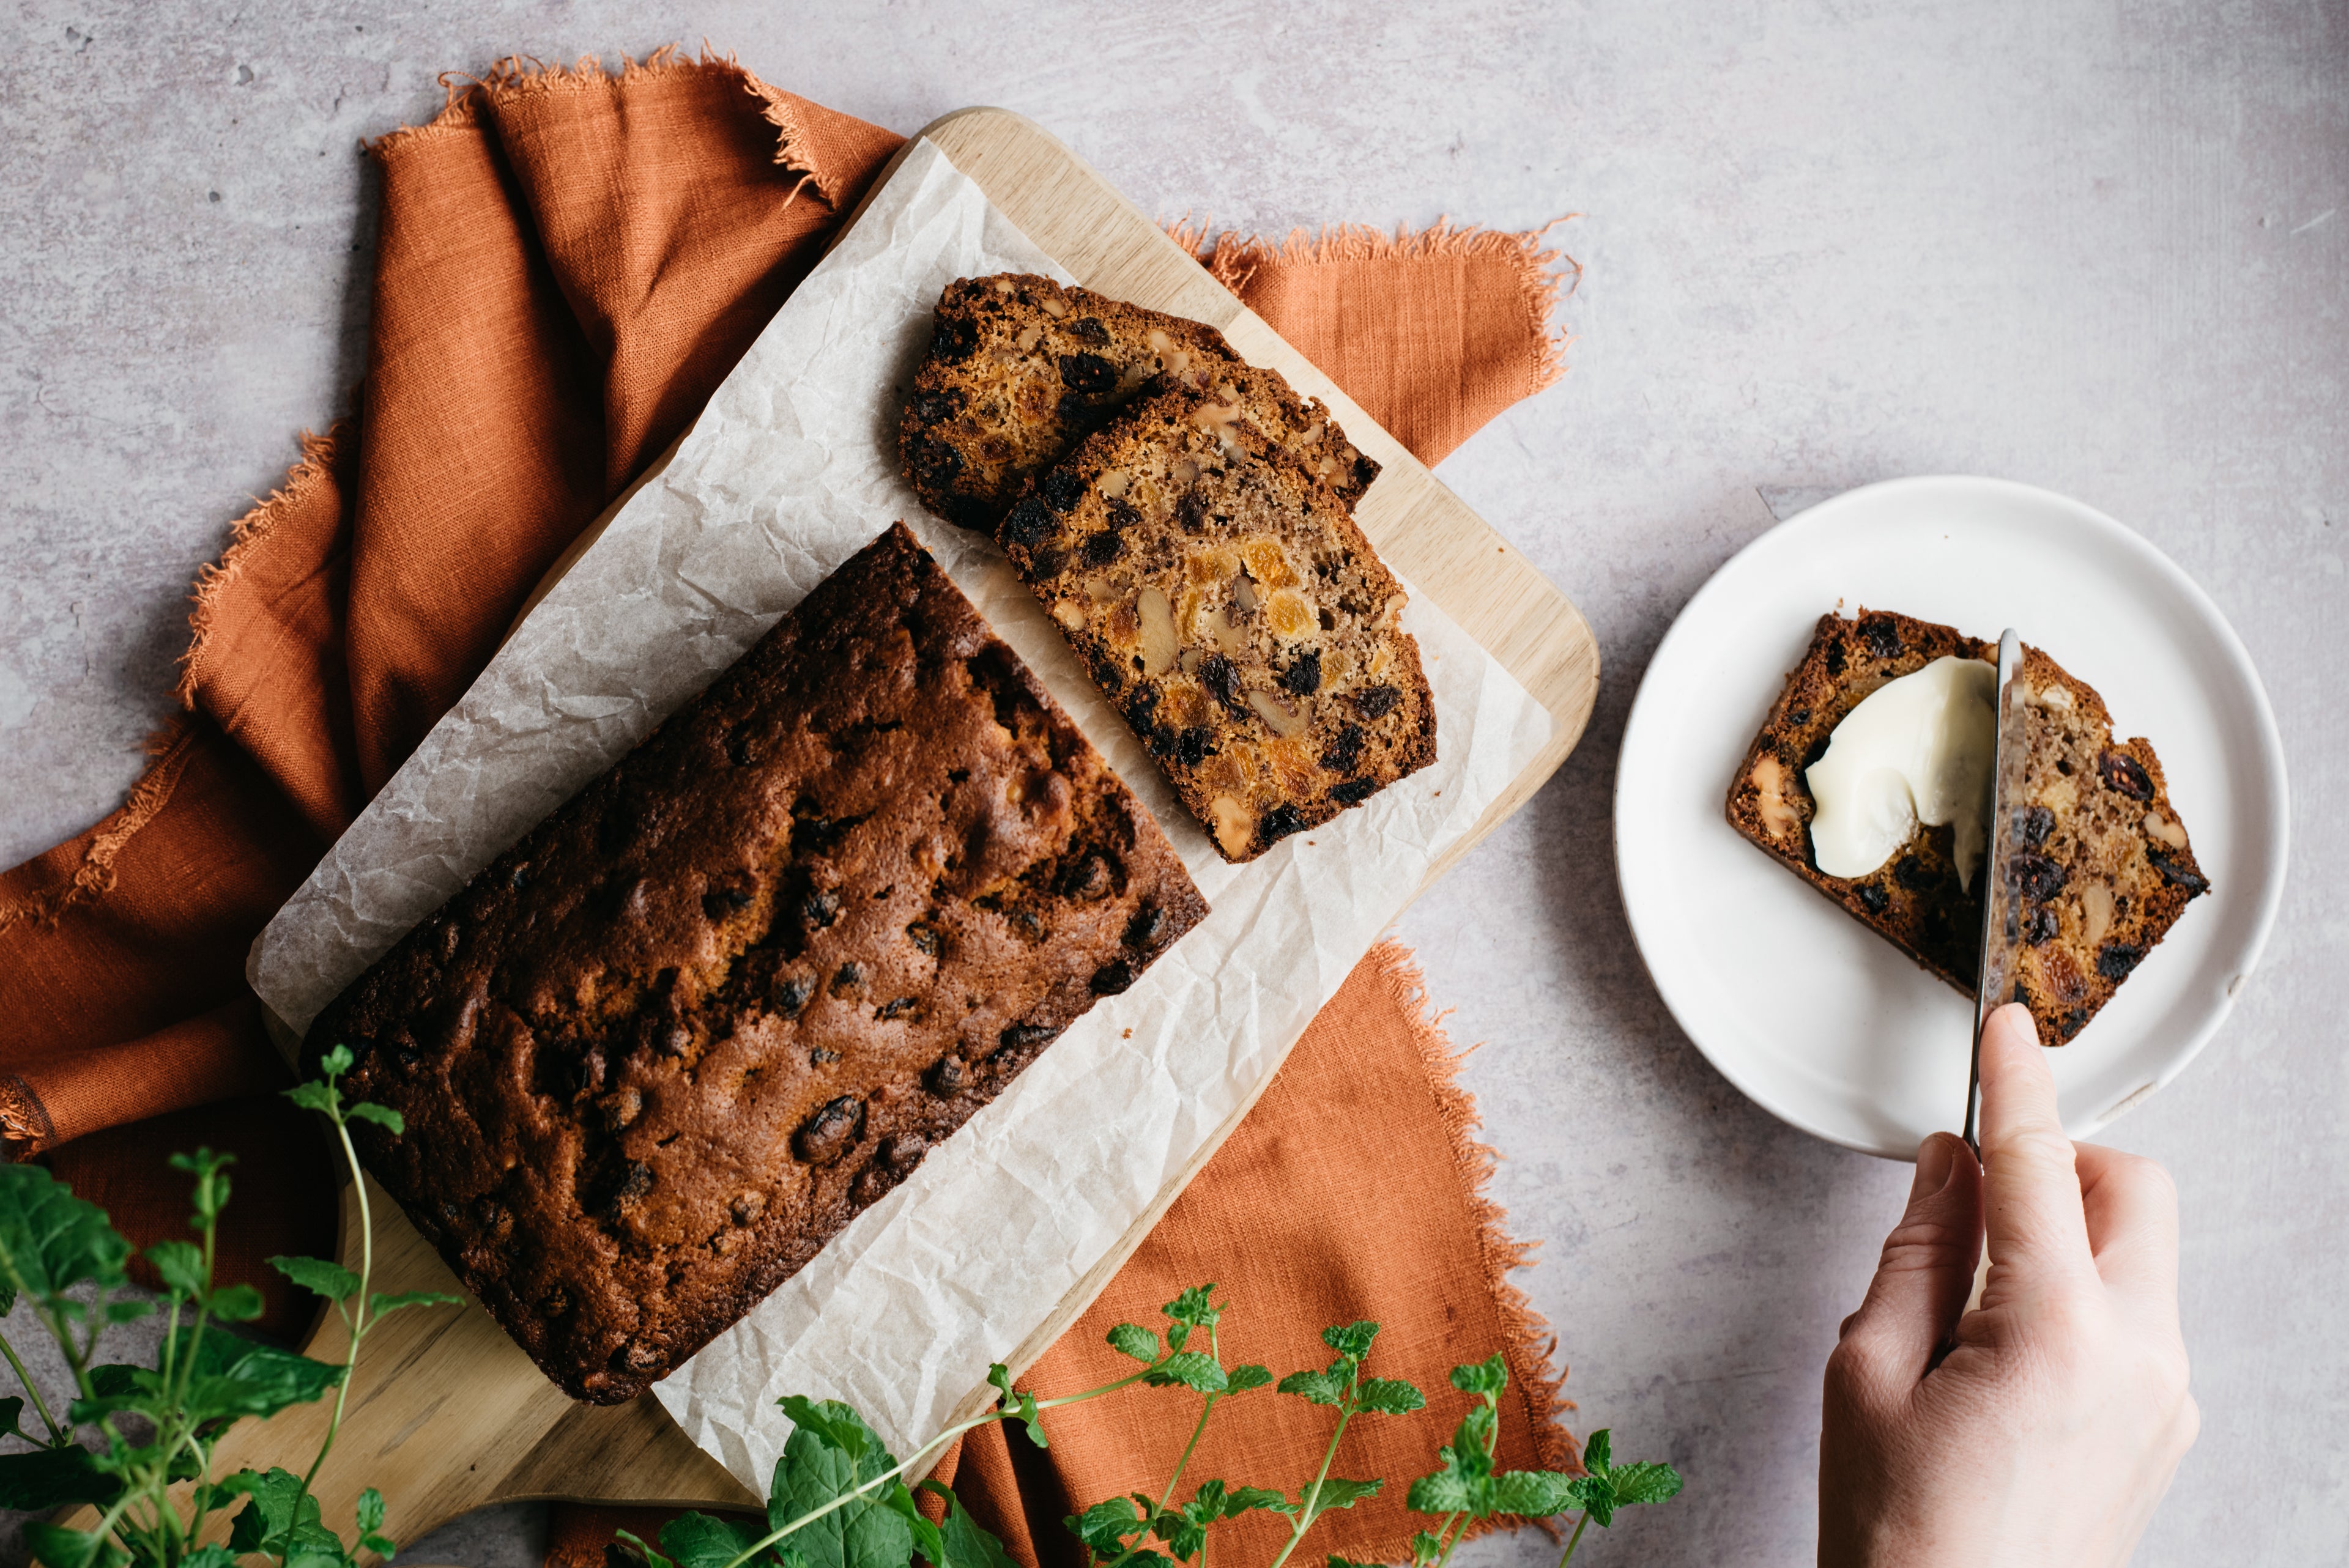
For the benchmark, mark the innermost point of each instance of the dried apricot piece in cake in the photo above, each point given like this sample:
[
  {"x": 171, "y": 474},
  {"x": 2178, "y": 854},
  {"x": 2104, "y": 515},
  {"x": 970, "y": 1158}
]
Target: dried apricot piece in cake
[
  {"x": 1224, "y": 599},
  {"x": 1021, "y": 369}
]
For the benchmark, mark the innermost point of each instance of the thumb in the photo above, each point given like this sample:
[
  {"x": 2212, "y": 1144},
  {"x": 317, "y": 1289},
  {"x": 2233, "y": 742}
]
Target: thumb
[{"x": 1928, "y": 1268}]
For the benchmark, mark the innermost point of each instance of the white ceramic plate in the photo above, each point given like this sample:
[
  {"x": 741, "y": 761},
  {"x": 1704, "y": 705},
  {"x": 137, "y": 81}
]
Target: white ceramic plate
[{"x": 1814, "y": 1017}]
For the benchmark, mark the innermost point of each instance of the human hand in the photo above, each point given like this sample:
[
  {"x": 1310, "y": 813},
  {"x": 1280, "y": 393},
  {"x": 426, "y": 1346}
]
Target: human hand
[{"x": 2041, "y": 1428}]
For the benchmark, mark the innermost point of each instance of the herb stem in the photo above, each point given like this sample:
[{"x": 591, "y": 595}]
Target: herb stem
[
  {"x": 357, "y": 1320},
  {"x": 1574, "y": 1538},
  {"x": 1090, "y": 1393},
  {"x": 1306, "y": 1512},
  {"x": 59, "y": 1436}
]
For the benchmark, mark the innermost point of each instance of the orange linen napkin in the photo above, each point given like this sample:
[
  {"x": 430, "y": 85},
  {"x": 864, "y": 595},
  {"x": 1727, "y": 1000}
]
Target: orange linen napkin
[{"x": 568, "y": 263}]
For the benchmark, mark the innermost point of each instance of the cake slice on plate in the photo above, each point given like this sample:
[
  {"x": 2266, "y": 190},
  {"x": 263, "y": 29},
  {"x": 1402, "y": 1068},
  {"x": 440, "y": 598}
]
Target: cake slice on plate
[{"x": 2106, "y": 868}]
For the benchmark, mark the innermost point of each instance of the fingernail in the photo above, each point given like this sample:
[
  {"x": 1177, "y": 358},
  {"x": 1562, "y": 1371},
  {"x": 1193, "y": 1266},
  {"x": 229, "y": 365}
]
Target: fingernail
[{"x": 1936, "y": 1159}]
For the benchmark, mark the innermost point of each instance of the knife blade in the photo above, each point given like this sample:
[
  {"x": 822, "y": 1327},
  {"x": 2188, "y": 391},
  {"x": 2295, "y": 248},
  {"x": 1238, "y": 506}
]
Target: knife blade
[{"x": 2001, "y": 930}]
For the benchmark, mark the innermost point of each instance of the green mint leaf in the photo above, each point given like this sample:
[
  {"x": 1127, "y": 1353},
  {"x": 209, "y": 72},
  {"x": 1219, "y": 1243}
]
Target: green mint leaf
[
  {"x": 999, "y": 1377},
  {"x": 58, "y": 1547},
  {"x": 315, "y": 1097},
  {"x": 1463, "y": 1483},
  {"x": 968, "y": 1545},
  {"x": 383, "y": 1303},
  {"x": 211, "y": 1554},
  {"x": 383, "y": 1116},
  {"x": 236, "y": 1303},
  {"x": 832, "y": 1423},
  {"x": 1195, "y": 1308},
  {"x": 51, "y": 1241},
  {"x": 231, "y": 1377},
  {"x": 1444, "y": 1491},
  {"x": 1389, "y": 1397},
  {"x": 369, "y": 1511},
  {"x": 1192, "y": 1369},
  {"x": 633, "y": 1546},
  {"x": 1208, "y": 1503},
  {"x": 319, "y": 1276},
  {"x": 1644, "y": 1480},
  {"x": 1032, "y": 1418},
  {"x": 1182, "y": 1534},
  {"x": 180, "y": 1266},
  {"x": 1338, "y": 1492},
  {"x": 1489, "y": 1376},
  {"x": 1594, "y": 1452},
  {"x": 830, "y": 1452},
  {"x": 1248, "y": 1499},
  {"x": 281, "y": 1518},
  {"x": 927, "y": 1539},
  {"x": 1473, "y": 1440},
  {"x": 336, "y": 1061},
  {"x": 122, "y": 1312},
  {"x": 1319, "y": 1387},
  {"x": 1105, "y": 1526},
  {"x": 1425, "y": 1549},
  {"x": 11, "y": 1413},
  {"x": 1133, "y": 1339},
  {"x": 1350, "y": 1339},
  {"x": 1240, "y": 1380},
  {"x": 51, "y": 1478},
  {"x": 1533, "y": 1494}
]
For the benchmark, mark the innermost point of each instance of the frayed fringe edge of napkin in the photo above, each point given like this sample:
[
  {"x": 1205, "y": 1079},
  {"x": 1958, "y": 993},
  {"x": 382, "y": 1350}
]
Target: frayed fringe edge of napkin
[
  {"x": 1529, "y": 1344},
  {"x": 1543, "y": 276}
]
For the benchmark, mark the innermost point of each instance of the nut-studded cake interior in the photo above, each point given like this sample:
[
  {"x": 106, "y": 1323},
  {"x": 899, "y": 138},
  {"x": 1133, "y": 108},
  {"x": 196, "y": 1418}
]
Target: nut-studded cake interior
[
  {"x": 1222, "y": 595},
  {"x": 1020, "y": 369},
  {"x": 2103, "y": 867},
  {"x": 660, "y": 1051}
]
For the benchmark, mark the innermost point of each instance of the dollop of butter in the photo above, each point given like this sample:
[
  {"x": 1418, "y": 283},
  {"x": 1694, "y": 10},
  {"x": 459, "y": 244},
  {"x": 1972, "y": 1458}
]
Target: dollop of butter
[{"x": 1916, "y": 750}]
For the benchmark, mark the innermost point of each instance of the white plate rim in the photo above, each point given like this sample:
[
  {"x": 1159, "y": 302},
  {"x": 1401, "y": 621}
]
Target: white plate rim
[{"x": 2269, "y": 772}]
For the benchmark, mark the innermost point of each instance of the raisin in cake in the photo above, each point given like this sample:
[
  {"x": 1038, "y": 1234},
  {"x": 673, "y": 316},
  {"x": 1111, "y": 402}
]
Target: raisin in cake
[
  {"x": 662, "y": 1049},
  {"x": 1224, "y": 599},
  {"x": 2108, "y": 868},
  {"x": 1020, "y": 369}
]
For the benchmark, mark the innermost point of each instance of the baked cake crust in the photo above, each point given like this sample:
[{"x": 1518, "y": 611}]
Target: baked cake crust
[
  {"x": 2108, "y": 867},
  {"x": 1020, "y": 369},
  {"x": 1223, "y": 597},
  {"x": 660, "y": 1051}
]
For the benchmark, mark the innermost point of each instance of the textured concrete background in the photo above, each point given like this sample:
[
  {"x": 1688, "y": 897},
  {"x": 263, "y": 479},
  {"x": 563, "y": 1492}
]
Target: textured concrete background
[{"x": 2099, "y": 248}]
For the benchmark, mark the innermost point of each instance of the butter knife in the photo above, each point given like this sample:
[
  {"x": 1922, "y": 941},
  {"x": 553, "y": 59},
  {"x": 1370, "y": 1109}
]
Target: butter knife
[{"x": 2002, "y": 931}]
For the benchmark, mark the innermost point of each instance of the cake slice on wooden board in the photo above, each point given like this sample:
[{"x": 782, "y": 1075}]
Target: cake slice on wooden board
[
  {"x": 2108, "y": 868},
  {"x": 1223, "y": 597},
  {"x": 660, "y": 1052},
  {"x": 1021, "y": 369}
]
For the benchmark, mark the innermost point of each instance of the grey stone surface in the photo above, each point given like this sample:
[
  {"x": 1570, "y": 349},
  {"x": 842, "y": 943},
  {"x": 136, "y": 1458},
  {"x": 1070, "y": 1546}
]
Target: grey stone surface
[{"x": 2096, "y": 248}]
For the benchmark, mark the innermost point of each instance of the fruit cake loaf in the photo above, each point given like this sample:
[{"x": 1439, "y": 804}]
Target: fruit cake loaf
[
  {"x": 1225, "y": 600},
  {"x": 2098, "y": 891},
  {"x": 1020, "y": 369},
  {"x": 666, "y": 1046}
]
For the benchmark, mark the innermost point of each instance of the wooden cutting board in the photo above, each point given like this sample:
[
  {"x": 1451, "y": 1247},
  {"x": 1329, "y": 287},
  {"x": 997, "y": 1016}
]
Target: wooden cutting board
[{"x": 445, "y": 1413}]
